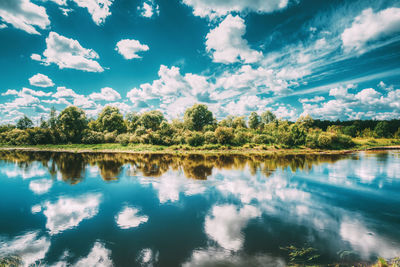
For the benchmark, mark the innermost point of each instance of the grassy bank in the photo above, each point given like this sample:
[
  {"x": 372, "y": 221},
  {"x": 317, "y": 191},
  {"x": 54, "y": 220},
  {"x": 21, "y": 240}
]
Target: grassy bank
[{"x": 361, "y": 144}]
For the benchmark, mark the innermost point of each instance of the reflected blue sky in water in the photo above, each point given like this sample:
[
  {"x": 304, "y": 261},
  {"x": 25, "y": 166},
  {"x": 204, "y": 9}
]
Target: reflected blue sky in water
[{"x": 344, "y": 208}]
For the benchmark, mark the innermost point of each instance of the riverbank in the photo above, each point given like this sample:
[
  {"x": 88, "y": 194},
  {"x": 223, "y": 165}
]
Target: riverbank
[{"x": 361, "y": 145}]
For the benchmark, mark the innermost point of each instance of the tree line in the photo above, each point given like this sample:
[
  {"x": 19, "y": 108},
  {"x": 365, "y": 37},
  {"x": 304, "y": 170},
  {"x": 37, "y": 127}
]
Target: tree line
[{"x": 198, "y": 127}]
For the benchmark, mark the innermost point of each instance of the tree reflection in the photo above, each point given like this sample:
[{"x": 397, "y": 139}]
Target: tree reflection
[{"x": 71, "y": 166}]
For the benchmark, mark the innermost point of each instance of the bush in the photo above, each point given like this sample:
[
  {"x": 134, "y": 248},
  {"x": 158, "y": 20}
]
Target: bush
[
  {"x": 110, "y": 137},
  {"x": 262, "y": 139},
  {"x": 92, "y": 137},
  {"x": 123, "y": 139},
  {"x": 334, "y": 141},
  {"x": 224, "y": 135},
  {"x": 241, "y": 138},
  {"x": 39, "y": 136},
  {"x": 17, "y": 137},
  {"x": 194, "y": 139},
  {"x": 210, "y": 138}
]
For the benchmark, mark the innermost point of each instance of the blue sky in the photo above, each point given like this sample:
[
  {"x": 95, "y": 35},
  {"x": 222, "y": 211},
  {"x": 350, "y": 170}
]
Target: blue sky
[{"x": 329, "y": 59}]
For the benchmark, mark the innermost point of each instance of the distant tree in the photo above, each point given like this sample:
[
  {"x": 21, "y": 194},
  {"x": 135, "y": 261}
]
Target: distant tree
[
  {"x": 24, "y": 123},
  {"x": 53, "y": 118},
  {"x": 267, "y": 117},
  {"x": 382, "y": 129},
  {"x": 151, "y": 119},
  {"x": 72, "y": 122},
  {"x": 197, "y": 117},
  {"x": 254, "y": 120},
  {"x": 239, "y": 122},
  {"x": 132, "y": 120},
  {"x": 305, "y": 121},
  {"x": 110, "y": 119}
]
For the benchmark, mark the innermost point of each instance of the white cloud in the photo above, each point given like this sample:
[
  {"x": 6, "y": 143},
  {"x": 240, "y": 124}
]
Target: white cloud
[
  {"x": 59, "y": 2},
  {"x": 41, "y": 80},
  {"x": 147, "y": 257},
  {"x": 99, "y": 9},
  {"x": 129, "y": 218},
  {"x": 226, "y": 43},
  {"x": 225, "y": 224},
  {"x": 365, "y": 241},
  {"x": 98, "y": 256},
  {"x": 370, "y": 26},
  {"x": 41, "y": 186},
  {"x": 67, "y": 212},
  {"x": 218, "y": 8},
  {"x": 24, "y": 15},
  {"x": 10, "y": 92},
  {"x": 3, "y": 26},
  {"x": 149, "y": 8},
  {"x": 30, "y": 247},
  {"x": 364, "y": 104},
  {"x": 106, "y": 94},
  {"x": 129, "y": 48},
  {"x": 68, "y": 53},
  {"x": 172, "y": 185},
  {"x": 315, "y": 99},
  {"x": 219, "y": 257}
]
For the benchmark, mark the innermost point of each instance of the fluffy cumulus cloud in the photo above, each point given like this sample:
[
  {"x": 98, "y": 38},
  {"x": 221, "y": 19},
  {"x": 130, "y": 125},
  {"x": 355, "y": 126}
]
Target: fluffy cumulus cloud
[
  {"x": 129, "y": 218},
  {"x": 106, "y": 94},
  {"x": 370, "y": 26},
  {"x": 225, "y": 223},
  {"x": 24, "y": 15},
  {"x": 98, "y": 256},
  {"x": 40, "y": 186},
  {"x": 129, "y": 49},
  {"x": 217, "y": 8},
  {"x": 68, "y": 212},
  {"x": 68, "y": 53},
  {"x": 149, "y": 9},
  {"x": 226, "y": 43},
  {"x": 99, "y": 9},
  {"x": 367, "y": 103},
  {"x": 41, "y": 80}
]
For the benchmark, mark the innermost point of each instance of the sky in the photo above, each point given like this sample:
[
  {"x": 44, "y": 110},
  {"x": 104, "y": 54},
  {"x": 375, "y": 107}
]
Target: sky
[{"x": 333, "y": 59}]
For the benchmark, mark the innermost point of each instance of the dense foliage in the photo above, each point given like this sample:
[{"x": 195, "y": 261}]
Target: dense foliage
[{"x": 198, "y": 128}]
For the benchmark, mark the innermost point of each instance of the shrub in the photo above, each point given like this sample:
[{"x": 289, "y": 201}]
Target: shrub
[
  {"x": 123, "y": 139},
  {"x": 241, "y": 138},
  {"x": 224, "y": 135},
  {"x": 334, "y": 141},
  {"x": 17, "y": 137},
  {"x": 262, "y": 139},
  {"x": 210, "y": 138},
  {"x": 110, "y": 137},
  {"x": 194, "y": 139},
  {"x": 92, "y": 137}
]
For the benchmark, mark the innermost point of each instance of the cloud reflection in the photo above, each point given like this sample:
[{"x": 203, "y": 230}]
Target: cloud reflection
[
  {"x": 68, "y": 212},
  {"x": 30, "y": 247},
  {"x": 225, "y": 224},
  {"x": 129, "y": 218},
  {"x": 41, "y": 186}
]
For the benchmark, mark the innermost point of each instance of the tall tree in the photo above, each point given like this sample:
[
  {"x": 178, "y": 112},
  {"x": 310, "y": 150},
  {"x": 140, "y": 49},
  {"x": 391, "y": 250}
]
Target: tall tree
[
  {"x": 151, "y": 119},
  {"x": 110, "y": 119},
  {"x": 72, "y": 122},
  {"x": 254, "y": 120},
  {"x": 197, "y": 117},
  {"x": 268, "y": 117},
  {"x": 24, "y": 123}
]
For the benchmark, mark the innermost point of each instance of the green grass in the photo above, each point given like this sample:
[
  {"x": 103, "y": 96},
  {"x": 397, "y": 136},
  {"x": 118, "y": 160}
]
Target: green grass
[{"x": 361, "y": 144}]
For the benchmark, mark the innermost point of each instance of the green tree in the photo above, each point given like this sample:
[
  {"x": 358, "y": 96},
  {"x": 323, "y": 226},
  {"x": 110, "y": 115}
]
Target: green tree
[
  {"x": 53, "y": 118},
  {"x": 72, "y": 122},
  {"x": 24, "y": 123},
  {"x": 197, "y": 117},
  {"x": 132, "y": 120},
  {"x": 151, "y": 120},
  {"x": 110, "y": 119},
  {"x": 224, "y": 135},
  {"x": 254, "y": 120},
  {"x": 382, "y": 129},
  {"x": 267, "y": 117}
]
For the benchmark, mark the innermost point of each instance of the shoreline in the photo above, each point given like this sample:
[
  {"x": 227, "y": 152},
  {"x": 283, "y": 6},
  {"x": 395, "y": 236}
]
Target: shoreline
[{"x": 166, "y": 150}]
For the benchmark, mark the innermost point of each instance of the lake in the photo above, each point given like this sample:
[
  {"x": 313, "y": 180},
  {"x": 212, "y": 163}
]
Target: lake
[{"x": 72, "y": 209}]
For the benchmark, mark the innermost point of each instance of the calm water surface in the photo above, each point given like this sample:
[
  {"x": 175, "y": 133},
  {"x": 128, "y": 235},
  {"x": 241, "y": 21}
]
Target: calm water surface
[{"x": 64, "y": 209}]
